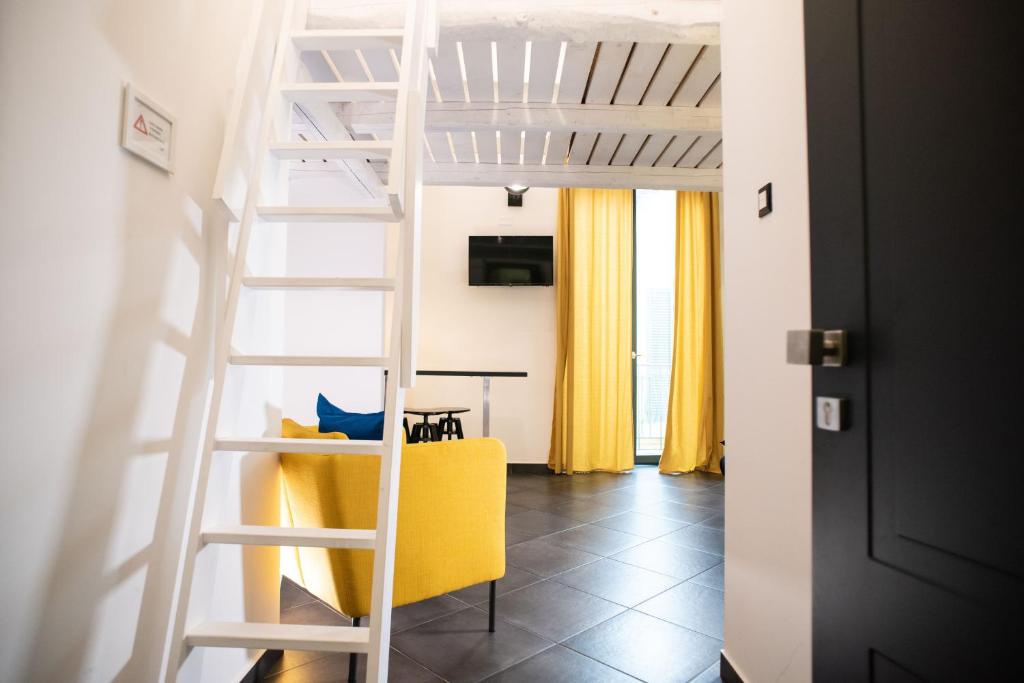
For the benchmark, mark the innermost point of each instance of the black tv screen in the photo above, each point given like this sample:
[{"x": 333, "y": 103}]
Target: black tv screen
[{"x": 511, "y": 260}]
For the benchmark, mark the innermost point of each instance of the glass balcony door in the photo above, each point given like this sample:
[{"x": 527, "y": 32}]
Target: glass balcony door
[{"x": 653, "y": 315}]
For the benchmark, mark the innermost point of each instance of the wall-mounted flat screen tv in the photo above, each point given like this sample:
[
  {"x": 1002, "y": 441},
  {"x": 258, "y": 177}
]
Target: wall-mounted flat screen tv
[{"x": 511, "y": 260}]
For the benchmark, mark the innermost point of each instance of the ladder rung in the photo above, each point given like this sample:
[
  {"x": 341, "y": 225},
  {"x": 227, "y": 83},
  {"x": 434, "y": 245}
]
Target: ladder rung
[
  {"x": 342, "y": 149},
  {"x": 279, "y": 444},
  {"x": 311, "y": 361},
  {"x": 289, "y": 536},
  {"x": 317, "y": 93},
  {"x": 348, "y": 39},
  {"x": 370, "y": 284},
  {"x": 255, "y": 636},
  {"x": 327, "y": 214}
]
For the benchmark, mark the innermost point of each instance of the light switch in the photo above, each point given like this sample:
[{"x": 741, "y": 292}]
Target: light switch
[
  {"x": 830, "y": 413},
  {"x": 764, "y": 201}
]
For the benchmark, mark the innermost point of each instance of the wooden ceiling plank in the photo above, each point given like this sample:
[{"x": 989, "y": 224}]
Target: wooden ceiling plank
[
  {"x": 639, "y": 72},
  {"x": 675, "y": 150},
  {"x": 604, "y": 148},
  {"x": 487, "y": 146},
  {"x": 699, "y": 150},
  {"x": 652, "y": 148},
  {"x": 607, "y": 72},
  {"x": 463, "y": 143},
  {"x": 476, "y": 55},
  {"x": 533, "y": 148},
  {"x": 628, "y": 148},
  {"x": 382, "y": 68},
  {"x": 543, "y": 69},
  {"x": 582, "y": 146},
  {"x": 713, "y": 98},
  {"x": 575, "y": 71},
  {"x": 348, "y": 66},
  {"x": 674, "y": 66},
  {"x": 511, "y": 63},
  {"x": 713, "y": 158},
  {"x": 511, "y": 142},
  {"x": 446, "y": 71},
  {"x": 648, "y": 62},
  {"x": 702, "y": 75},
  {"x": 439, "y": 146},
  {"x": 558, "y": 147}
]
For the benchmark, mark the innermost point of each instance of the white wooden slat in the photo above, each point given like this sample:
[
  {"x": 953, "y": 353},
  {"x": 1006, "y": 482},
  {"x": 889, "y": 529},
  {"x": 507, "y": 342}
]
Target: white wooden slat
[
  {"x": 703, "y": 73},
  {"x": 250, "y": 635},
  {"x": 713, "y": 159},
  {"x": 348, "y": 66},
  {"x": 713, "y": 98},
  {"x": 463, "y": 143},
  {"x": 382, "y": 67},
  {"x": 652, "y": 148},
  {"x": 543, "y": 69},
  {"x": 326, "y": 214},
  {"x": 310, "y": 361},
  {"x": 579, "y": 57},
  {"x": 372, "y": 284},
  {"x": 347, "y": 39},
  {"x": 316, "y": 93},
  {"x": 487, "y": 146},
  {"x": 491, "y": 175},
  {"x": 363, "y": 539},
  {"x": 675, "y": 150},
  {"x": 699, "y": 150},
  {"x": 342, "y": 149},
  {"x": 558, "y": 147},
  {"x": 511, "y": 142},
  {"x": 439, "y": 146},
  {"x": 272, "y": 444},
  {"x": 628, "y": 148},
  {"x": 639, "y": 71},
  {"x": 446, "y": 71},
  {"x": 608, "y": 67},
  {"x": 670, "y": 74},
  {"x": 533, "y": 148},
  {"x": 604, "y": 148},
  {"x": 582, "y": 146},
  {"x": 511, "y": 61},
  {"x": 476, "y": 55}
]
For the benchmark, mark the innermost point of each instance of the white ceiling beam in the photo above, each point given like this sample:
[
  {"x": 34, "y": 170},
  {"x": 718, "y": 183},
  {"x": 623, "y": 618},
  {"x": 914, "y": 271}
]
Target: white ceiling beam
[
  {"x": 581, "y": 118},
  {"x": 641, "y": 21},
  {"x": 536, "y": 175}
]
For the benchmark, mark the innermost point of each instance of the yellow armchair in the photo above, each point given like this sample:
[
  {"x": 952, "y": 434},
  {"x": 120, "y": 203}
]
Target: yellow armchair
[{"x": 451, "y": 518}]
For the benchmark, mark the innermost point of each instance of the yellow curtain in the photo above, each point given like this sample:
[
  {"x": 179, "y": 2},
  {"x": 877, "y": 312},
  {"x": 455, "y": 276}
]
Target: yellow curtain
[
  {"x": 592, "y": 426},
  {"x": 694, "y": 428}
]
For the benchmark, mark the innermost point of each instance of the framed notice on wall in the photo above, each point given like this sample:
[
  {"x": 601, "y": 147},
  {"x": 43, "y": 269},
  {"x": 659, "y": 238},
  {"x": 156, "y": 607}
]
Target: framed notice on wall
[{"x": 147, "y": 129}]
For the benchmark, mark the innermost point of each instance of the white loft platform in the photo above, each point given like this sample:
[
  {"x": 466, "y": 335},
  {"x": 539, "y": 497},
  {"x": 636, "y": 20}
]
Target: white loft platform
[{"x": 557, "y": 93}]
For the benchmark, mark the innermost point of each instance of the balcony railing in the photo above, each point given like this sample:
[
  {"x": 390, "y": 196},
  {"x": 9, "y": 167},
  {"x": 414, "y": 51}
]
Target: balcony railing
[{"x": 652, "y": 386}]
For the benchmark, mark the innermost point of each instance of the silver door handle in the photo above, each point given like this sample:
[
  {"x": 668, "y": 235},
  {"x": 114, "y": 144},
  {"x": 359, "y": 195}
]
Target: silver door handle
[{"x": 816, "y": 347}]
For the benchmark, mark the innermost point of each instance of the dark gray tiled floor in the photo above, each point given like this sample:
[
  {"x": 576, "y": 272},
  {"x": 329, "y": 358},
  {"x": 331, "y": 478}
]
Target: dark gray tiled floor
[{"x": 608, "y": 578}]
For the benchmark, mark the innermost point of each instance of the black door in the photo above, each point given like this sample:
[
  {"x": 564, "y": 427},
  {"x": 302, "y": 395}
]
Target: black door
[{"x": 915, "y": 123}]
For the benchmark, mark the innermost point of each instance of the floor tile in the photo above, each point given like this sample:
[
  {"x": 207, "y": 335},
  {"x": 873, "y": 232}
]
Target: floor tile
[
  {"x": 334, "y": 669},
  {"x": 700, "y": 537},
  {"x": 689, "y": 605},
  {"x": 416, "y": 613},
  {"x": 513, "y": 535},
  {"x": 587, "y": 510},
  {"x": 715, "y": 522},
  {"x": 544, "y": 559},
  {"x": 639, "y": 524},
  {"x": 316, "y": 613},
  {"x": 537, "y": 500},
  {"x": 514, "y": 579},
  {"x": 710, "y": 675},
  {"x": 647, "y": 648},
  {"x": 459, "y": 648},
  {"x": 511, "y": 509},
  {"x": 669, "y": 559},
  {"x": 616, "y": 581},
  {"x": 539, "y": 523},
  {"x": 293, "y": 595},
  {"x": 712, "y": 578},
  {"x": 679, "y": 512},
  {"x": 560, "y": 665},
  {"x": 595, "y": 539},
  {"x": 555, "y": 611}
]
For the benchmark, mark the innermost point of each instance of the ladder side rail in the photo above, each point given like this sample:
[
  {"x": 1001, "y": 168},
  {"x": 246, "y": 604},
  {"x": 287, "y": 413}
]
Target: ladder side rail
[
  {"x": 407, "y": 70},
  {"x": 197, "y": 498},
  {"x": 391, "y": 457}
]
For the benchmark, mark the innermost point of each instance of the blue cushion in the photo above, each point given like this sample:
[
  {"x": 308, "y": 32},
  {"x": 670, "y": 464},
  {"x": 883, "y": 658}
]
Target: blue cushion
[{"x": 354, "y": 425}]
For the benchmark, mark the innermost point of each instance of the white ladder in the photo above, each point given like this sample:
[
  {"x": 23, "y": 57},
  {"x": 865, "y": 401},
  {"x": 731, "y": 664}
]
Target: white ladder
[{"x": 404, "y": 155}]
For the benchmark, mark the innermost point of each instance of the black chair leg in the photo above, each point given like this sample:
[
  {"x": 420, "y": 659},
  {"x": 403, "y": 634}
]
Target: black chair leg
[
  {"x": 353, "y": 660},
  {"x": 458, "y": 428},
  {"x": 490, "y": 610}
]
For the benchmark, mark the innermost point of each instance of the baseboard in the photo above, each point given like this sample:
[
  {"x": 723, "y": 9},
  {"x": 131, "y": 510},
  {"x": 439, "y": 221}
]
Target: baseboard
[
  {"x": 528, "y": 468},
  {"x": 727, "y": 672},
  {"x": 261, "y": 668}
]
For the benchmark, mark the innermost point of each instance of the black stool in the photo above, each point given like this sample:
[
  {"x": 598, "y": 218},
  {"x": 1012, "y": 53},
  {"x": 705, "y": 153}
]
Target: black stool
[
  {"x": 450, "y": 426},
  {"x": 423, "y": 432}
]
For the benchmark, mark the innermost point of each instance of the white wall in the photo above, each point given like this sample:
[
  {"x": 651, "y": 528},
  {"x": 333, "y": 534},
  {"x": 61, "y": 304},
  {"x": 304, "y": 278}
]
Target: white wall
[
  {"x": 767, "y": 291},
  {"x": 105, "y": 266},
  {"x": 487, "y": 328}
]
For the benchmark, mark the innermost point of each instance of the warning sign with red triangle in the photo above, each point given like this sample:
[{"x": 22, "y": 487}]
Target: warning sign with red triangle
[{"x": 140, "y": 125}]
